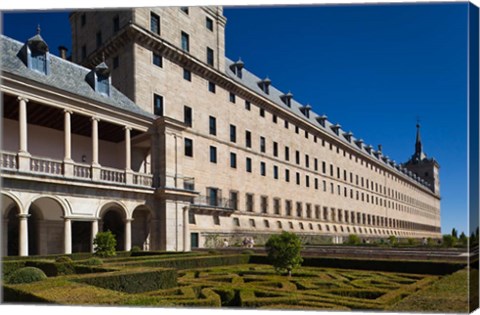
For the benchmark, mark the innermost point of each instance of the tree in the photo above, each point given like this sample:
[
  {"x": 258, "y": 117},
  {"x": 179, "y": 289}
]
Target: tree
[
  {"x": 449, "y": 240},
  {"x": 463, "y": 239},
  {"x": 454, "y": 233},
  {"x": 104, "y": 244},
  {"x": 353, "y": 239},
  {"x": 284, "y": 252},
  {"x": 392, "y": 240}
]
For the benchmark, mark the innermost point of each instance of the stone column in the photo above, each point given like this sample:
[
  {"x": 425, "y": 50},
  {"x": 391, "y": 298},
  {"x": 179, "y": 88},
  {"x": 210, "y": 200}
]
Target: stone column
[
  {"x": 94, "y": 232},
  {"x": 67, "y": 235},
  {"x": 23, "y": 155},
  {"x": 95, "y": 164},
  {"x": 186, "y": 230},
  {"x": 23, "y": 234},
  {"x": 67, "y": 159},
  {"x": 128, "y": 234},
  {"x": 128, "y": 157}
]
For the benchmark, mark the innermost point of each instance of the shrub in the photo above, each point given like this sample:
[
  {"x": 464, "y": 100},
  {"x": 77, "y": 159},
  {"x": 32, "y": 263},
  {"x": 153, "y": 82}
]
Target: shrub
[
  {"x": 411, "y": 241},
  {"x": 284, "y": 251},
  {"x": 63, "y": 259},
  {"x": 26, "y": 275},
  {"x": 353, "y": 239},
  {"x": 104, "y": 244},
  {"x": 449, "y": 241},
  {"x": 392, "y": 240},
  {"x": 135, "y": 249},
  {"x": 93, "y": 261}
]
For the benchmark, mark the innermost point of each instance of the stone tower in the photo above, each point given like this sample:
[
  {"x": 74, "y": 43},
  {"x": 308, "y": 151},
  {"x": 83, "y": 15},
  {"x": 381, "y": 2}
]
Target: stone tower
[{"x": 423, "y": 167}]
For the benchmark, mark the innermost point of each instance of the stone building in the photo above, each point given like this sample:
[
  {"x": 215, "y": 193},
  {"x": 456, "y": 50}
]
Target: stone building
[{"x": 161, "y": 139}]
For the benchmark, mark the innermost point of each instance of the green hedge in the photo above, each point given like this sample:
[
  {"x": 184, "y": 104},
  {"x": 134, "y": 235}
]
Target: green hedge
[
  {"x": 10, "y": 266},
  {"x": 13, "y": 295},
  {"x": 52, "y": 269},
  {"x": 193, "y": 262},
  {"x": 134, "y": 281},
  {"x": 419, "y": 267}
]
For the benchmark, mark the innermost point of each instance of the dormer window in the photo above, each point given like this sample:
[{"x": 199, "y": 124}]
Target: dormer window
[
  {"x": 99, "y": 79},
  {"x": 287, "y": 99},
  {"x": 265, "y": 85},
  {"x": 321, "y": 120},
  {"x": 306, "y": 110},
  {"x": 348, "y": 136},
  {"x": 369, "y": 149},
  {"x": 35, "y": 54},
  {"x": 336, "y": 128},
  {"x": 237, "y": 67},
  {"x": 359, "y": 143}
]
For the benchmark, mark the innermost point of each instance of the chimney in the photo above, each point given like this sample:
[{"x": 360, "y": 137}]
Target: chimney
[{"x": 63, "y": 52}]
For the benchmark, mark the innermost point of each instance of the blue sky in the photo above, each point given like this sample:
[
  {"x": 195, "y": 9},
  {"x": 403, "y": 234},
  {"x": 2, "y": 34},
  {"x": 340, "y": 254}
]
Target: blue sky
[{"x": 372, "y": 68}]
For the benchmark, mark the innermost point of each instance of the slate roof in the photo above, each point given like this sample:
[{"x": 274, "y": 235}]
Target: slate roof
[
  {"x": 251, "y": 81},
  {"x": 64, "y": 75}
]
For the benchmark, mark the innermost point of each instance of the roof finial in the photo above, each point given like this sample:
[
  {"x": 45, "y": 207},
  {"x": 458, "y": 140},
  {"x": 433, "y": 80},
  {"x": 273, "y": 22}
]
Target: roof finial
[
  {"x": 38, "y": 29},
  {"x": 103, "y": 56}
]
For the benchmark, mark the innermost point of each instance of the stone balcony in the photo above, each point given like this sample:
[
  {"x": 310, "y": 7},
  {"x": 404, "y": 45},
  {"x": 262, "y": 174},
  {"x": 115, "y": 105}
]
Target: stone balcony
[{"x": 13, "y": 163}]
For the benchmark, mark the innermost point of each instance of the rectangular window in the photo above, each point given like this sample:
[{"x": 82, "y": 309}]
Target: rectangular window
[
  {"x": 275, "y": 149},
  {"x": 188, "y": 147},
  {"x": 158, "y": 105},
  {"x": 248, "y": 165},
  {"x": 157, "y": 60},
  {"x": 233, "y": 133},
  {"x": 252, "y": 222},
  {"x": 232, "y": 97},
  {"x": 154, "y": 23},
  {"x": 297, "y": 157},
  {"x": 210, "y": 56},
  {"x": 187, "y": 116},
  {"x": 306, "y": 134},
  {"x": 187, "y": 75},
  {"x": 262, "y": 112},
  {"x": 288, "y": 207},
  {"x": 185, "y": 42},
  {"x": 212, "y": 125},
  {"x": 234, "y": 199},
  {"x": 297, "y": 130},
  {"x": 233, "y": 160},
  {"x": 331, "y": 170},
  {"x": 116, "y": 24},
  {"x": 298, "y": 178},
  {"x": 275, "y": 172},
  {"x": 324, "y": 167},
  {"x": 247, "y": 105},
  {"x": 211, "y": 87},
  {"x": 276, "y": 205},
  {"x": 307, "y": 161},
  {"x": 209, "y": 23},
  {"x": 262, "y": 145},
  {"x": 324, "y": 185},
  {"x": 236, "y": 222},
  {"x": 248, "y": 139},
  {"x": 213, "y": 154},
  {"x": 249, "y": 202},
  {"x": 287, "y": 175},
  {"x": 307, "y": 180},
  {"x": 264, "y": 204},
  {"x": 315, "y": 164},
  {"x": 216, "y": 219},
  {"x": 285, "y": 124},
  {"x": 99, "y": 39},
  {"x": 287, "y": 153},
  {"x": 299, "y": 209},
  {"x": 263, "y": 169},
  {"x": 316, "y": 183}
]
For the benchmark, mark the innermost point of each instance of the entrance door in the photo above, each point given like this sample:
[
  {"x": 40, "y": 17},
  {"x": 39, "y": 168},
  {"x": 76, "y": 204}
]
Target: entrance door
[{"x": 194, "y": 240}]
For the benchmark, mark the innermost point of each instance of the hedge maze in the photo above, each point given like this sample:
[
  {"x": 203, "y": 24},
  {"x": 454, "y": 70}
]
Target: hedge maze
[{"x": 213, "y": 280}]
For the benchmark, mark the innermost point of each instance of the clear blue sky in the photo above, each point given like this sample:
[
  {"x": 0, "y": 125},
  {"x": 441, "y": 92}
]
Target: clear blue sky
[{"x": 372, "y": 68}]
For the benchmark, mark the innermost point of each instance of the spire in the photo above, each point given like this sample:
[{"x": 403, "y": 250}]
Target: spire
[{"x": 418, "y": 142}]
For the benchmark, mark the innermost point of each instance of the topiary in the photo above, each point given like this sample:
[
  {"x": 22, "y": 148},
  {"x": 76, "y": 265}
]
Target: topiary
[
  {"x": 284, "y": 251},
  {"x": 64, "y": 259},
  {"x": 135, "y": 249},
  {"x": 104, "y": 244},
  {"x": 26, "y": 275},
  {"x": 93, "y": 261}
]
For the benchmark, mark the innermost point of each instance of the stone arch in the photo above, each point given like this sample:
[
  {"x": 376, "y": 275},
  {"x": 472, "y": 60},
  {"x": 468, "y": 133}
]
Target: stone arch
[
  {"x": 112, "y": 218},
  {"x": 142, "y": 226},
  {"x": 11, "y": 208},
  {"x": 46, "y": 225}
]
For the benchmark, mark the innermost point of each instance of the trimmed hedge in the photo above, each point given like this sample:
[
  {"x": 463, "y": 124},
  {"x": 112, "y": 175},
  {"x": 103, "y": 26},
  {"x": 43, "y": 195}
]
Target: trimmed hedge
[
  {"x": 134, "y": 281},
  {"x": 14, "y": 295},
  {"x": 418, "y": 267},
  {"x": 10, "y": 266},
  {"x": 26, "y": 275}
]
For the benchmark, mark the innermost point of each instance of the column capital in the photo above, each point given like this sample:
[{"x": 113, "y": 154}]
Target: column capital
[
  {"x": 22, "y": 98},
  {"x": 128, "y": 220},
  {"x": 68, "y": 111},
  {"x": 23, "y": 215},
  {"x": 127, "y": 128},
  {"x": 94, "y": 118}
]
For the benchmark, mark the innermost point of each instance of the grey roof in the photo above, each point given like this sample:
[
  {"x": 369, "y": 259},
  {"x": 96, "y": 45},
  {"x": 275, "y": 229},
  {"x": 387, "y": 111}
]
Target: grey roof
[
  {"x": 250, "y": 81},
  {"x": 64, "y": 75}
]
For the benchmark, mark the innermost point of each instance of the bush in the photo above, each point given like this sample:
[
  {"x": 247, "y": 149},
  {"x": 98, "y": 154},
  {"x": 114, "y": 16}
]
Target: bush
[
  {"x": 26, "y": 275},
  {"x": 449, "y": 241},
  {"x": 93, "y": 261},
  {"x": 411, "y": 241},
  {"x": 64, "y": 259},
  {"x": 284, "y": 251},
  {"x": 353, "y": 239},
  {"x": 392, "y": 240},
  {"x": 135, "y": 249},
  {"x": 104, "y": 244}
]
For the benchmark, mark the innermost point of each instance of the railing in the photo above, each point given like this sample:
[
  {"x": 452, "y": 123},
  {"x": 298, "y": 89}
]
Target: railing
[
  {"x": 213, "y": 202},
  {"x": 112, "y": 175},
  {"x": 46, "y": 166},
  {"x": 8, "y": 160},
  {"x": 82, "y": 171},
  {"x": 143, "y": 179}
]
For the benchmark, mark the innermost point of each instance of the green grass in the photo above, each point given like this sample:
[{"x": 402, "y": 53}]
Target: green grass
[{"x": 449, "y": 294}]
